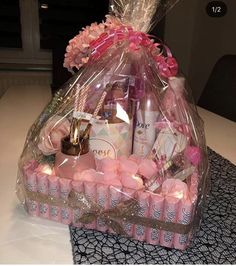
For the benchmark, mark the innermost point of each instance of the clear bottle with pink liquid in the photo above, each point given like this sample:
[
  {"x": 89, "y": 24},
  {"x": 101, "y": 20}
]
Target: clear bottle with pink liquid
[{"x": 73, "y": 158}]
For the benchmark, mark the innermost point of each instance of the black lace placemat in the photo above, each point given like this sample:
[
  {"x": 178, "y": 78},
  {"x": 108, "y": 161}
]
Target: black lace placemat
[{"x": 215, "y": 242}]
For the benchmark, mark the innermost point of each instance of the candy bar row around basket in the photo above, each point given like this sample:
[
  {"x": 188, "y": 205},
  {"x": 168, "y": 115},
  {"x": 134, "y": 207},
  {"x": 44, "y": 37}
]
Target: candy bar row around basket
[{"x": 164, "y": 208}]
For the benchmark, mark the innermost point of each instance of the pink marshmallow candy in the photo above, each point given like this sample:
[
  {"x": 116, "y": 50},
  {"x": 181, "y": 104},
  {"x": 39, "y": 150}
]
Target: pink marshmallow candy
[
  {"x": 147, "y": 168},
  {"x": 135, "y": 158},
  {"x": 128, "y": 166},
  {"x": 91, "y": 175},
  {"x": 87, "y": 175},
  {"x": 131, "y": 181},
  {"x": 175, "y": 188},
  {"x": 111, "y": 179},
  {"x": 109, "y": 165}
]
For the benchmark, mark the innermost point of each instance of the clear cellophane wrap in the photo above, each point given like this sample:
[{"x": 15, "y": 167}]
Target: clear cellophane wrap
[{"x": 120, "y": 148}]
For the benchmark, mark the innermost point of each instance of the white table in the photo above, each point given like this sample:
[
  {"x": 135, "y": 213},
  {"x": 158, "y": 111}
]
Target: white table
[
  {"x": 24, "y": 239},
  {"x": 220, "y": 134},
  {"x": 32, "y": 240}
]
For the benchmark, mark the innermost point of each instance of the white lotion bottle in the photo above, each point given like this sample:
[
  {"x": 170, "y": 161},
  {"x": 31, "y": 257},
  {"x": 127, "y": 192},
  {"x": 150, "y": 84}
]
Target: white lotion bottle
[{"x": 145, "y": 130}]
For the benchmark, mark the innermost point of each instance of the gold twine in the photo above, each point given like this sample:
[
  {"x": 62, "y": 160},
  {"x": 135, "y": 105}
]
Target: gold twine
[{"x": 125, "y": 211}]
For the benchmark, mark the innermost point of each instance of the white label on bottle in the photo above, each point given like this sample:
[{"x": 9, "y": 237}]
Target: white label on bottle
[
  {"x": 145, "y": 132},
  {"x": 102, "y": 148},
  {"x": 110, "y": 140},
  {"x": 82, "y": 115}
]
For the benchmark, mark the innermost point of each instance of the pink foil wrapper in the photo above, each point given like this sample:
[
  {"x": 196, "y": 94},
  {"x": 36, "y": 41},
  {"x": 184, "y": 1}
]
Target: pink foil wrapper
[
  {"x": 42, "y": 180},
  {"x": 31, "y": 185},
  {"x": 156, "y": 212},
  {"x": 184, "y": 217},
  {"x": 65, "y": 188},
  {"x": 79, "y": 187},
  {"x": 91, "y": 193},
  {"x": 115, "y": 194},
  {"x": 169, "y": 215},
  {"x": 102, "y": 201},
  {"x": 126, "y": 195},
  {"x": 54, "y": 191},
  {"x": 140, "y": 230}
]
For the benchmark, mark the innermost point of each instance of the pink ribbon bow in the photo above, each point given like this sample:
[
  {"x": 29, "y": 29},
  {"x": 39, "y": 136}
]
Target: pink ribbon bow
[{"x": 167, "y": 66}]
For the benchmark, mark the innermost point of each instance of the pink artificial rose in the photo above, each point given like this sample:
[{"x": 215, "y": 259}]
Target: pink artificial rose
[
  {"x": 55, "y": 129},
  {"x": 77, "y": 51}
]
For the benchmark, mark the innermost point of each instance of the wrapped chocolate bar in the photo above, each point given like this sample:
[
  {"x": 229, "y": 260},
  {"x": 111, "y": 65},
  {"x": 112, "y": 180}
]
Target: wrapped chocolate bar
[{"x": 120, "y": 148}]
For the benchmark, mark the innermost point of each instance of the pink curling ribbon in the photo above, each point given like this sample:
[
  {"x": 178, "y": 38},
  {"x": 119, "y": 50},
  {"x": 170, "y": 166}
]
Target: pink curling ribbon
[
  {"x": 106, "y": 40},
  {"x": 167, "y": 66}
]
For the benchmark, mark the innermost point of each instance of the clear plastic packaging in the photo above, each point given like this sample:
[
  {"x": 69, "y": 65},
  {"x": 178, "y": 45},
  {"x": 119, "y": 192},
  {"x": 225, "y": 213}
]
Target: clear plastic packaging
[{"x": 120, "y": 148}]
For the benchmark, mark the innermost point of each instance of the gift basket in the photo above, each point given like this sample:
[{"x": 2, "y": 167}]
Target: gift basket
[{"x": 120, "y": 148}]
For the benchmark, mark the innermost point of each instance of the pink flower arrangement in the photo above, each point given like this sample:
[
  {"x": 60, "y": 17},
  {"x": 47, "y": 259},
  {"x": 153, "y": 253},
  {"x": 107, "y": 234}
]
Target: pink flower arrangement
[
  {"x": 99, "y": 37},
  {"x": 78, "y": 49},
  {"x": 127, "y": 172},
  {"x": 51, "y": 134}
]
